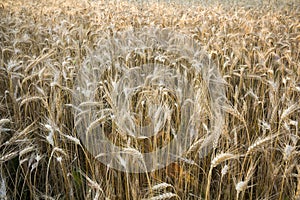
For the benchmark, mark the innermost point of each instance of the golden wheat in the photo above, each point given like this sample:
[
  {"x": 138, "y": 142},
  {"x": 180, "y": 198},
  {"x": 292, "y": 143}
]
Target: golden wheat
[{"x": 65, "y": 65}]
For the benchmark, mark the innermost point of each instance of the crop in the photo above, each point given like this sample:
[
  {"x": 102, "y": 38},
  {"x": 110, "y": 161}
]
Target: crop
[{"x": 119, "y": 68}]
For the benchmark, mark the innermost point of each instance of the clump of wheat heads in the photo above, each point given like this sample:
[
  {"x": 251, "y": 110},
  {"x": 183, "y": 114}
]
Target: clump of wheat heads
[
  {"x": 44, "y": 43},
  {"x": 144, "y": 88}
]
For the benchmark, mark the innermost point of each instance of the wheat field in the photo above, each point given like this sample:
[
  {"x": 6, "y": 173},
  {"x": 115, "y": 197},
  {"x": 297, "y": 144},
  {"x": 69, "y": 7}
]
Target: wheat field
[{"x": 222, "y": 76}]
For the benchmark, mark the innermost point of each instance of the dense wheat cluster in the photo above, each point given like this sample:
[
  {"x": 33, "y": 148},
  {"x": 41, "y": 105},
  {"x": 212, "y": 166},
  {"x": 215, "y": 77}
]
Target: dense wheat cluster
[{"x": 73, "y": 67}]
